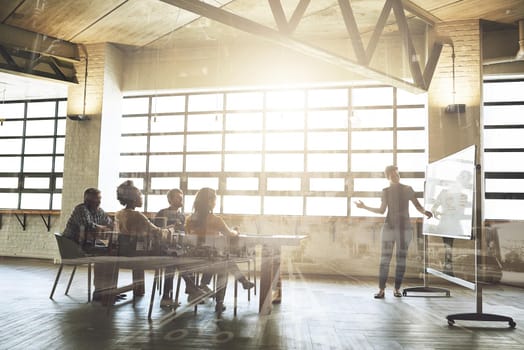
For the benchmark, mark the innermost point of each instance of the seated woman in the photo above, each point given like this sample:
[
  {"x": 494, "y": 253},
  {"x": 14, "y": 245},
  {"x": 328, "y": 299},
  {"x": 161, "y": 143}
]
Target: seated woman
[
  {"x": 136, "y": 225},
  {"x": 203, "y": 222}
]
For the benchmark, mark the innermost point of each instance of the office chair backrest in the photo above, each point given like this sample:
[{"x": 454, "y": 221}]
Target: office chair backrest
[{"x": 69, "y": 249}]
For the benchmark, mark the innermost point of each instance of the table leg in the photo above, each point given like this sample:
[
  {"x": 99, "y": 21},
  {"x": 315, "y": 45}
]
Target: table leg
[{"x": 266, "y": 277}]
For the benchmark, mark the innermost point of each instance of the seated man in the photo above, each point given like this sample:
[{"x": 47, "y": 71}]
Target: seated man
[{"x": 85, "y": 222}]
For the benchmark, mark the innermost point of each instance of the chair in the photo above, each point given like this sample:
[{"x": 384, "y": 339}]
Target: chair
[{"x": 71, "y": 254}]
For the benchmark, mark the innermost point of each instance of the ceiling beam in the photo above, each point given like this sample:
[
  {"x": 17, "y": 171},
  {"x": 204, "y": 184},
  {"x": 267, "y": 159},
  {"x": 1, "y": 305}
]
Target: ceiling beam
[
  {"x": 267, "y": 33},
  {"x": 33, "y": 54}
]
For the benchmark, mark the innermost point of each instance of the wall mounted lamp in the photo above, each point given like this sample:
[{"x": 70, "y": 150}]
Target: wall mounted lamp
[{"x": 83, "y": 116}]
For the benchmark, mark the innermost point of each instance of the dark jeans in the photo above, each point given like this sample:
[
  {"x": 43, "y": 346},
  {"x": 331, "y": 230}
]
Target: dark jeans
[{"x": 385, "y": 259}]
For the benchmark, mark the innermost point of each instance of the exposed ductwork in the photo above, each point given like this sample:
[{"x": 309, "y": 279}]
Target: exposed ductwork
[{"x": 518, "y": 57}]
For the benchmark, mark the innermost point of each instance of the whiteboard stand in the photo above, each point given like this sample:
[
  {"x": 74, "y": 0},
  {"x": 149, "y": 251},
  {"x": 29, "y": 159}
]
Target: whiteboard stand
[{"x": 479, "y": 315}]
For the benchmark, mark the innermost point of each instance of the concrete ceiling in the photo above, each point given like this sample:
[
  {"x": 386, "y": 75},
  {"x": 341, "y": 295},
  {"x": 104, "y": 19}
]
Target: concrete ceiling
[{"x": 155, "y": 24}]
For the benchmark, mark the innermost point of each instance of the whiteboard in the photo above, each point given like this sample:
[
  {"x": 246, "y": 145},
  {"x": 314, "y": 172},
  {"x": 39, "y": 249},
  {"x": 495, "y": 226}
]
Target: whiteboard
[{"x": 449, "y": 194}]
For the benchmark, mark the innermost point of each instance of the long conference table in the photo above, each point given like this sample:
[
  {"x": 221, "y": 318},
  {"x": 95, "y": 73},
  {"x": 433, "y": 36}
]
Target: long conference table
[{"x": 270, "y": 289}]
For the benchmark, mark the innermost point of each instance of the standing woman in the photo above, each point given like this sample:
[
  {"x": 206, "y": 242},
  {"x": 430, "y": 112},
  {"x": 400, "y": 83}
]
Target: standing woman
[
  {"x": 202, "y": 222},
  {"x": 136, "y": 225},
  {"x": 397, "y": 228}
]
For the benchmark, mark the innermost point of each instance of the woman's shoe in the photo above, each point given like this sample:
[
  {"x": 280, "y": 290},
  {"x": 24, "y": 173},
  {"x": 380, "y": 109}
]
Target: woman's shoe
[
  {"x": 379, "y": 295},
  {"x": 247, "y": 284},
  {"x": 397, "y": 293}
]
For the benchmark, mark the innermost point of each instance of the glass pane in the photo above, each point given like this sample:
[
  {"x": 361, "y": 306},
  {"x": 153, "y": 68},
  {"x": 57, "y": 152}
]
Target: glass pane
[
  {"x": 9, "y": 200},
  {"x": 10, "y": 146},
  {"x": 166, "y": 143},
  {"x": 133, "y": 144},
  {"x": 57, "y": 201},
  {"x": 36, "y": 182},
  {"x": 241, "y": 205},
  {"x": 40, "y": 127},
  {"x": 167, "y": 123},
  {"x": 371, "y": 140},
  {"x": 168, "y": 104},
  {"x": 284, "y": 162},
  {"x": 407, "y": 98},
  {"x": 244, "y": 142},
  {"x": 284, "y": 120},
  {"x": 132, "y": 164},
  {"x": 370, "y": 185},
  {"x": 35, "y": 201},
  {"x": 285, "y": 99},
  {"x": 10, "y": 164},
  {"x": 497, "y": 162},
  {"x": 59, "y": 164},
  {"x": 411, "y": 117},
  {"x": 59, "y": 183},
  {"x": 135, "y": 105},
  {"x": 10, "y": 110},
  {"x": 244, "y": 121},
  {"x": 327, "y": 119},
  {"x": 326, "y": 206},
  {"x": 60, "y": 145},
  {"x": 503, "y": 209},
  {"x": 504, "y": 138},
  {"x": 371, "y": 118},
  {"x": 37, "y": 164},
  {"x": 411, "y": 139},
  {"x": 203, "y": 162},
  {"x": 8, "y": 182},
  {"x": 412, "y": 162},
  {"x": 167, "y": 163},
  {"x": 244, "y": 100},
  {"x": 134, "y": 125},
  {"x": 205, "y": 102},
  {"x": 41, "y": 109},
  {"x": 282, "y": 205},
  {"x": 61, "y": 127},
  {"x": 375, "y": 96},
  {"x": 321, "y": 184},
  {"x": 287, "y": 141},
  {"x": 504, "y": 91},
  {"x": 328, "y": 98},
  {"x": 62, "y": 108},
  {"x": 327, "y": 162},
  {"x": 370, "y": 161},
  {"x": 283, "y": 184},
  {"x": 242, "y": 162},
  {"x": 505, "y": 185},
  {"x": 503, "y": 115},
  {"x": 12, "y": 128},
  {"x": 38, "y": 146},
  {"x": 327, "y": 141},
  {"x": 370, "y": 202},
  {"x": 196, "y": 183},
  {"x": 204, "y": 122},
  {"x": 155, "y": 202},
  {"x": 200, "y": 143},
  {"x": 165, "y": 183},
  {"x": 242, "y": 183}
]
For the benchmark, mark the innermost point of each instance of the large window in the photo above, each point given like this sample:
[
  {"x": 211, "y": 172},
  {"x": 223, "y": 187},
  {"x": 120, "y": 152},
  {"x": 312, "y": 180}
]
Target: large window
[
  {"x": 32, "y": 138},
  {"x": 504, "y": 148},
  {"x": 308, "y": 151}
]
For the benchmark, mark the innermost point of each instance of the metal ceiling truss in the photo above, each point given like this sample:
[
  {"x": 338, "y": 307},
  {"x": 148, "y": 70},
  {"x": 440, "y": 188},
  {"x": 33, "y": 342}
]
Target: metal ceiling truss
[
  {"x": 285, "y": 28},
  {"x": 33, "y": 54}
]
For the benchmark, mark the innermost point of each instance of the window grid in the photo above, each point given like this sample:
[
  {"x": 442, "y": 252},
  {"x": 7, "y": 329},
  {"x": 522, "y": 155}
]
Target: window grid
[
  {"x": 503, "y": 112},
  {"x": 44, "y": 167},
  {"x": 277, "y": 160}
]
